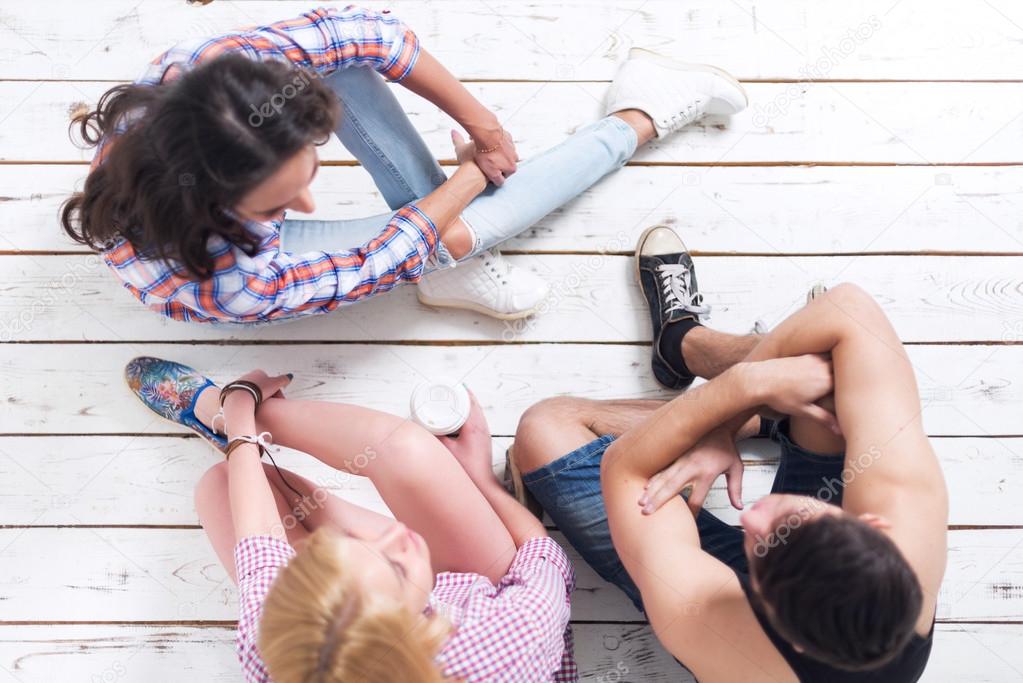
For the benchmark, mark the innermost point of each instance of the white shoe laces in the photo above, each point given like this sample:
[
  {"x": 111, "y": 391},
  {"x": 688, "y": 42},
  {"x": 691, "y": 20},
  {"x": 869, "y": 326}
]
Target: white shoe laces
[
  {"x": 681, "y": 119},
  {"x": 677, "y": 295},
  {"x": 495, "y": 263}
]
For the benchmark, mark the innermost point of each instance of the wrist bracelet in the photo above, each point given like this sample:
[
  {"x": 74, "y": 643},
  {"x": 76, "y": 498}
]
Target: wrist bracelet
[
  {"x": 263, "y": 441},
  {"x": 494, "y": 148},
  {"x": 251, "y": 387}
]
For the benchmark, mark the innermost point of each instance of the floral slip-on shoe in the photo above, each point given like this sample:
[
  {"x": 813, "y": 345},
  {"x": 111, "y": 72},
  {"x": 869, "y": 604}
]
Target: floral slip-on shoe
[{"x": 170, "y": 390}]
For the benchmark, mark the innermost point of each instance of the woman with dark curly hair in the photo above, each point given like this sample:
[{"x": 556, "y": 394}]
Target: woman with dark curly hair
[{"x": 200, "y": 159}]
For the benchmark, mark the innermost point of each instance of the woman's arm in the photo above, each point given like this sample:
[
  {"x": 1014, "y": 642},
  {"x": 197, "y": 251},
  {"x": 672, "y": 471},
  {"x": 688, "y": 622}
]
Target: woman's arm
[
  {"x": 253, "y": 507},
  {"x": 472, "y": 450},
  {"x": 494, "y": 150}
]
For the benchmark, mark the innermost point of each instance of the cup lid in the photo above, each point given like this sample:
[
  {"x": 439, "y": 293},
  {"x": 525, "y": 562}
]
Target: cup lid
[{"x": 440, "y": 406}]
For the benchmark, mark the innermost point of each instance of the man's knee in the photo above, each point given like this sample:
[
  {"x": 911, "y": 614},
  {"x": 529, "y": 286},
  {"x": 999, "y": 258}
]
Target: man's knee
[{"x": 533, "y": 435}]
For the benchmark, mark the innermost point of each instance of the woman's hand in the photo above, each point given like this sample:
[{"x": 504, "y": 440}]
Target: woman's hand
[
  {"x": 791, "y": 386},
  {"x": 241, "y": 404},
  {"x": 501, "y": 160},
  {"x": 498, "y": 163},
  {"x": 698, "y": 469},
  {"x": 471, "y": 447}
]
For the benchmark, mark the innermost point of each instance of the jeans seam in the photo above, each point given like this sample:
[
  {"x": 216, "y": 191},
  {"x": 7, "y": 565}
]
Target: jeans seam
[{"x": 368, "y": 139}]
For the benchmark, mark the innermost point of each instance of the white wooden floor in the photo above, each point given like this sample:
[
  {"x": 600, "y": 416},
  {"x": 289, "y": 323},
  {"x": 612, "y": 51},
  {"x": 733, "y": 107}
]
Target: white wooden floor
[{"x": 884, "y": 145}]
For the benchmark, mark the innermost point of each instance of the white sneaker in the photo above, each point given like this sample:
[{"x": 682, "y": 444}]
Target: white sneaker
[
  {"x": 673, "y": 94},
  {"x": 486, "y": 284}
]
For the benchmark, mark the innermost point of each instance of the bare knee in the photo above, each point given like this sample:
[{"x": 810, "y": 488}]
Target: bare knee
[
  {"x": 853, "y": 298},
  {"x": 539, "y": 426},
  {"x": 211, "y": 490},
  {"x": 860, "y": 312}
]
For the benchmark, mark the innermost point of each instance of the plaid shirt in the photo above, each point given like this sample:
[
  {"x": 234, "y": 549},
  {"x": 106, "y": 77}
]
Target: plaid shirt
[
  {"x": 515, "y": 631},
  {"x": 270, "y": 284}
]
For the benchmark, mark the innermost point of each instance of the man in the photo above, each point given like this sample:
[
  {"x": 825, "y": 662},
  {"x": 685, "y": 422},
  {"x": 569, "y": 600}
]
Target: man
[{"x": 835, "y": 575}]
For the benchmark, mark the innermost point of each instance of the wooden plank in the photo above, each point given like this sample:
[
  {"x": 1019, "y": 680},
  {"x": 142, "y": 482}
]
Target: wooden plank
[
  {"x": 593, "y": 298},
  {"x": 819, "y": 122},
  {"x": 126, "y": 574},
  {"x": 719, "y": 209},
  {"x": 124, "y": 480},
  {"x": 77, "y": 388},
  {"x": 801, "y": 39},
  {"x": 622, "y": 653},
  {"x": 158, "y": 654}
]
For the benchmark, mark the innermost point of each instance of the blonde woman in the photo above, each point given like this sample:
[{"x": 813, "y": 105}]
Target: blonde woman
[{"x": 465, "y": 585}]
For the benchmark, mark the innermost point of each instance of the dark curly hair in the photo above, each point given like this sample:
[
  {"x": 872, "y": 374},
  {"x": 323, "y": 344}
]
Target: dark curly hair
[
  {"x": 841, "y": 590},
  {"x": 190, "y": 150}
]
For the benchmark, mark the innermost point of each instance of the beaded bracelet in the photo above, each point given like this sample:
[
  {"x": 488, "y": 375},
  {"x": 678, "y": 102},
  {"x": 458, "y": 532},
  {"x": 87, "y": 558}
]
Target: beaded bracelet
[{"x": 494, "y": 148}]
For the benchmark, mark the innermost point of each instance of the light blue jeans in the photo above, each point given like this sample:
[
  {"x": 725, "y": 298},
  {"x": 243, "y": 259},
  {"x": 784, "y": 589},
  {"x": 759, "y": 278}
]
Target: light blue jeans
[{"x": 376, "y": 130}]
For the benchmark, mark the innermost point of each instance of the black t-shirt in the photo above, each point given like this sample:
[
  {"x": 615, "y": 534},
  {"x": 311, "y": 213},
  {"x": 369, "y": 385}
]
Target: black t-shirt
[{"x": 907, "y": 667}]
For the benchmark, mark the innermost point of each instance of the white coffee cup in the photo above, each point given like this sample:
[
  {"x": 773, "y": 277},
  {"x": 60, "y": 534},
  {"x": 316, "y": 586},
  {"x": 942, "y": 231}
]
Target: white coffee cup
[{"x": 440, "y": 406}]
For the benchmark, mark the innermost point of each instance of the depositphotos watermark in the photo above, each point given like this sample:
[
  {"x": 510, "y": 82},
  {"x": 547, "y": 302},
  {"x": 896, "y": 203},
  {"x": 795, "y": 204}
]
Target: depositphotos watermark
[
  {"x": 828, "y": 492},
  {"x": 316, "y": 499},
  {"x": 819, "y": 69},
  {"x": 273, "y": 106}
]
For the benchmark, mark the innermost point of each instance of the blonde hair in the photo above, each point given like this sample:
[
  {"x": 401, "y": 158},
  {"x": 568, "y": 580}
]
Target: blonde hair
[{"x": 318, "y": 626}]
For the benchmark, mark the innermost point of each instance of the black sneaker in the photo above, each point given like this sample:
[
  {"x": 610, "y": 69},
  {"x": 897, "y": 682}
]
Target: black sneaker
[{"x": 667, "y": 276}]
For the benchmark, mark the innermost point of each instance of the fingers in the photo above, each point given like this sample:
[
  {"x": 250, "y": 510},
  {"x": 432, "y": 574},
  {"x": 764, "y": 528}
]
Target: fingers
[
  {"x": 663, "y": 486},
  {"x": 733, "y": 478},
  {"x": 698, "y": 495},
  {"x": 276, "y": 385},
  {"x": 494, "y": 175},
  {"x": 457, "y": 138},
  {"x": 826, "y": 418}
]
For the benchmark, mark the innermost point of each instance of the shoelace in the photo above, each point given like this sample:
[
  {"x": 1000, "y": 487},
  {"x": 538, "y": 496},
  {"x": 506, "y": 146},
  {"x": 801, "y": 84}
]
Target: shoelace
[
  {"x": 495, "y": 263},
  {"x": 680, "y": 120},
  {"x": 677, "y": 297}
]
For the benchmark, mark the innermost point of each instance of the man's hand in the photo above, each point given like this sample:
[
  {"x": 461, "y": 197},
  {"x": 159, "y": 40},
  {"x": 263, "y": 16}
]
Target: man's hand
[
  {"x": 791, "y": 386},
  {"x": 471, "y": 447},
  {"x": 698, "y": 469}
]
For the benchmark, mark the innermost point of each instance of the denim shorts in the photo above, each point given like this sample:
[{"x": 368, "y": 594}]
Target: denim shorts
[{"x": 569, "y": 491}]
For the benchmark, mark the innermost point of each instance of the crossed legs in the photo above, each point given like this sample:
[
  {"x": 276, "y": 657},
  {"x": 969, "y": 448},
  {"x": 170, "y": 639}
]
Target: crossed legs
[{"x": 418, "y": 478}]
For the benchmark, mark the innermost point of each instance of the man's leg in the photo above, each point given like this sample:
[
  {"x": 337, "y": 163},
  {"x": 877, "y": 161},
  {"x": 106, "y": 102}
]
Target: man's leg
[
  {"x": 556, "y": 426},
  {"x": 558, "y": 447}
]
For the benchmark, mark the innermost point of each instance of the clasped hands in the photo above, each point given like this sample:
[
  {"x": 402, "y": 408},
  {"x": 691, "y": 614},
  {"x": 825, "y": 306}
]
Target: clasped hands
[{"x": 789, "y": 387}]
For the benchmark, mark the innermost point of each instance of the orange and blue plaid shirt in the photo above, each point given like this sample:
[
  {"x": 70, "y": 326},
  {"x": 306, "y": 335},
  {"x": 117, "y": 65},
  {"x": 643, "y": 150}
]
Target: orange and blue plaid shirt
[{"x": 270, "y": 284}]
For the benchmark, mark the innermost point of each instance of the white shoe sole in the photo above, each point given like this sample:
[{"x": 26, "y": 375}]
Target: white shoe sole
[
  {"x": 465, "y": 306},
  {"x": 669, "y": 63},
  {"x": 642, "y": 239}
]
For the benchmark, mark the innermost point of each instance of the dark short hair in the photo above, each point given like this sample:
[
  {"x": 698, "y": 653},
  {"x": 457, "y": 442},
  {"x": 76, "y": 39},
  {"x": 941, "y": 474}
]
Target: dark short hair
[
  {"x": 190, "y": 149},
  {"x": 841, "y": 591}
]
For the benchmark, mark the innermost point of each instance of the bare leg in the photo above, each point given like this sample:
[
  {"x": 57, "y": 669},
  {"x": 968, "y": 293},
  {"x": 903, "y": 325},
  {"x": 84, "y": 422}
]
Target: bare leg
[
  {"x": 708, "y": 352},
  {"x": 419, "y": 480},
  {"x": 556, "y": 426}
]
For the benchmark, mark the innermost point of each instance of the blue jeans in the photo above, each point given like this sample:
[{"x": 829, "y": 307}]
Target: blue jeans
[
  {"x": 375, "y": 129},
  {"x": 569, "y": 491}
]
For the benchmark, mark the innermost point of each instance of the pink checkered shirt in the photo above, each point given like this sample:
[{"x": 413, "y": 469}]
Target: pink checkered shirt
[{"x": 515, "y": 631}]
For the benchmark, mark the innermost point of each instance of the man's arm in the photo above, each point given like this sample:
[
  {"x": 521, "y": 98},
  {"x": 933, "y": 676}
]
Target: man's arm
[
  {"x": 694, "y": 602},
  {"x": 892, "y": 469}
]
